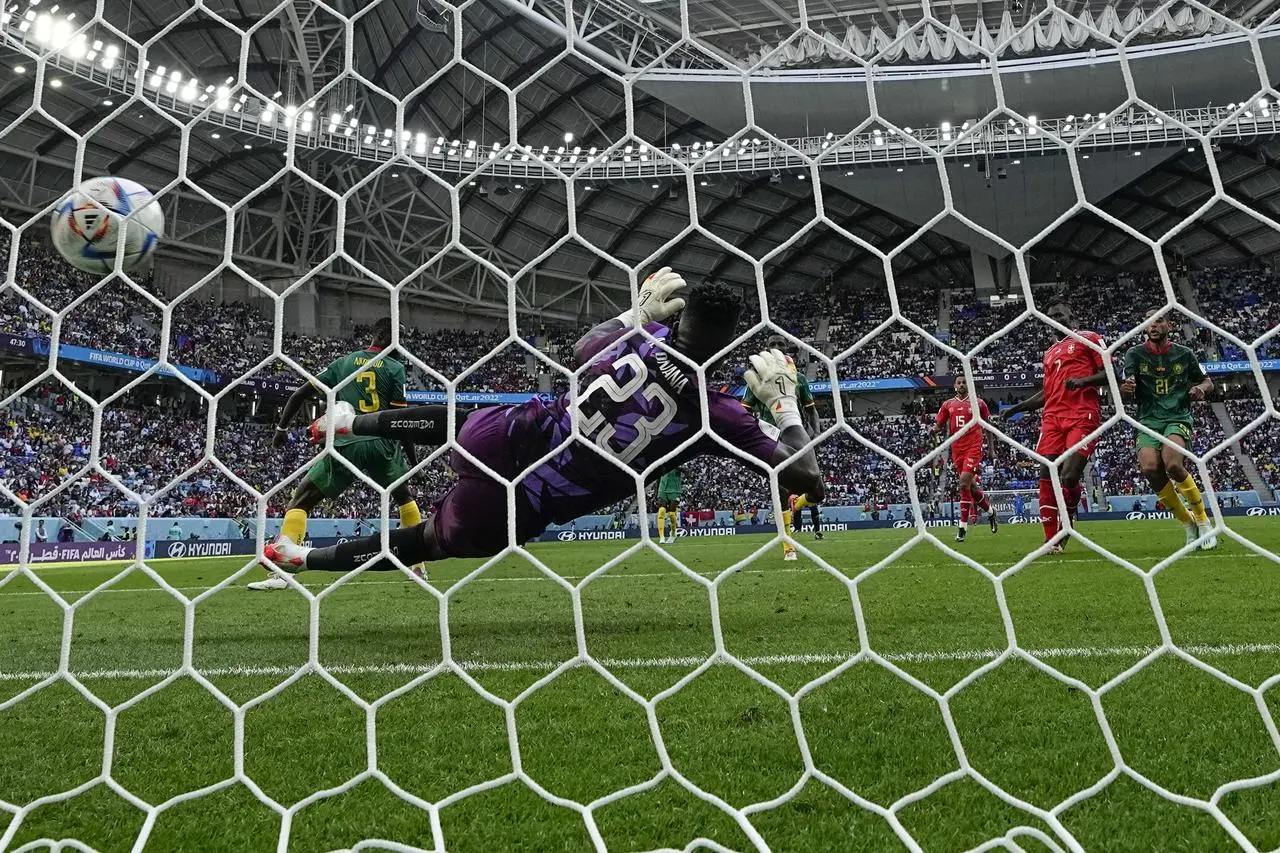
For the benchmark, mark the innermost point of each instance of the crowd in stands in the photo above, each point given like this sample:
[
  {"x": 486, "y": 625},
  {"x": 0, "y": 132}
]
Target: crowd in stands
[
  {"x": 895, "y": 351},
  {"x": 1262, "y": 445},
  {"x": 44, "y": 438},
  {"x": 1243, "y": 300},
  {"x": 45, "y": 442}
]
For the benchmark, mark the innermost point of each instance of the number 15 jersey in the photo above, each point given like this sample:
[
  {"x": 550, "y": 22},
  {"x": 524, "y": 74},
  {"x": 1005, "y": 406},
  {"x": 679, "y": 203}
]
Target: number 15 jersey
[{"x": 638, "y": 405}]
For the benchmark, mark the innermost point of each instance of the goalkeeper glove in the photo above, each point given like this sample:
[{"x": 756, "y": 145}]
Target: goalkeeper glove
[
  {"x": 772, "y": 379},
  {"x": 658, "y": 299}
]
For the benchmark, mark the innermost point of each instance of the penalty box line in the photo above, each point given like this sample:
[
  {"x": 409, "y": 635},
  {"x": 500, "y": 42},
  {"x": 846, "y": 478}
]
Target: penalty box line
[{"x": 832, "y": 658}]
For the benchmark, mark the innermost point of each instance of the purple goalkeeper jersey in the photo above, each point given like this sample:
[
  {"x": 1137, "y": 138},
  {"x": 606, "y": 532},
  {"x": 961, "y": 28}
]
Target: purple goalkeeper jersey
[{"x": 637, "y": 405}]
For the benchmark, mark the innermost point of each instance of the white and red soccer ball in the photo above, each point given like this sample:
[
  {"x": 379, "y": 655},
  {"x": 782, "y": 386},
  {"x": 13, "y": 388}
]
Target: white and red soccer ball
[{"x": 88, "y": 237}]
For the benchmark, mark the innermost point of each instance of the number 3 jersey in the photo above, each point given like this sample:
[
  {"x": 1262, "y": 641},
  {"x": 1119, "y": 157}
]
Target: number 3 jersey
[
  {"x": 378, "y": 384},
  {"x": 636, "y": 405}
]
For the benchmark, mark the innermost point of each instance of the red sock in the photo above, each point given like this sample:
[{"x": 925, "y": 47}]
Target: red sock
[
  {"x": 1072, "y": 496},
  {"x": 1048, "y": 510},
  {"x": 980, "y": 498},
  {"x": 966, "y": 505}
]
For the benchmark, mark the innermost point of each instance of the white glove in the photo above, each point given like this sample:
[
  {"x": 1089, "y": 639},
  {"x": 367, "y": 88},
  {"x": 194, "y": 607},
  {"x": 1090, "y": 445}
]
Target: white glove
[
  {"x": 658, "y": 298},
  {"x": 772, "y": 379}
]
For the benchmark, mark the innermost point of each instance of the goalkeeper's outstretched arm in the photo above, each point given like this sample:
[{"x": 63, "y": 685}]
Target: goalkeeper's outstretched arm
[
  {"x": 657, "y": 300},
  {"x": 772, "y": 379}
]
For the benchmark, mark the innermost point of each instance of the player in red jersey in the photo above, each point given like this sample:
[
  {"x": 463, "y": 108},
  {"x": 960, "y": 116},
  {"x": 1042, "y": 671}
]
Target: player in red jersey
[
  {"x": 966, "y": 455},
  {"x": 1072, "y": 410}
]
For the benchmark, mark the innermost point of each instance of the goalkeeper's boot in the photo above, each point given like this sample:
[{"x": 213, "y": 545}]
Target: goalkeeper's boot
[
  {"x": 286, "y": 555},
  {"x": 1205, "y": 529},
  {"x": 995, "y": 523},
  {"x": 344, "y": 414},
  {"x": 789, "y": 554}
]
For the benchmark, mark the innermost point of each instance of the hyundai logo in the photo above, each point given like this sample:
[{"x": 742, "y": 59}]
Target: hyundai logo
[
  {"x": 177, "y": 549},
  {"x": 567, "y": 536}
]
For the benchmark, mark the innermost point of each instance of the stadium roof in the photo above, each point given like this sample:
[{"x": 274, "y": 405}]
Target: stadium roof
[
  {"x": 740, "y": 26},
  {"x": 399, "y": 219}
]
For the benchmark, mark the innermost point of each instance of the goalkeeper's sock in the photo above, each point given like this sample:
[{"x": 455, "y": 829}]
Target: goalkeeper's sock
[
  {"x": 1048, "y": 510},
  {"x": 786, "y": 528},
  {"x": 418, "y": 425},
  {"x": 801, "y": 502},
  {"x": 407, "y": 543},
  {"x": 1169, "y": 494},
  {"x": 295, "y": 525},
  {"x": 662, "y": 522},
  {"x": 1195, "y": 502},
  {"x": 410, "y": 515}
]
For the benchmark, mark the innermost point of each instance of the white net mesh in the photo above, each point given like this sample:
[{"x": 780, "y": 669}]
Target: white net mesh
[{"x": 740, "y": 740}]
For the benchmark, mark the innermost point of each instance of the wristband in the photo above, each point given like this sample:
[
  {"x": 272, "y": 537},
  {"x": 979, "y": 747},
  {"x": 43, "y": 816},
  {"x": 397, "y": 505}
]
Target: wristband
[{"x": 786, "y": 413}]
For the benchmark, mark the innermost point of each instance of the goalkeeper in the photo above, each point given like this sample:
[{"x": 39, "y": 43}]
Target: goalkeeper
[
  {"x": 792, "y": 503},
  {"x": 379, "y": 383},
  {"x": 641, "y": 405}
]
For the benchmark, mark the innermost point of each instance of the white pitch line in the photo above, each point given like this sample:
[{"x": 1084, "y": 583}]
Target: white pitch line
[
  {"x": 1229, "y": 650},
  {"x": 607, "y": 576}
]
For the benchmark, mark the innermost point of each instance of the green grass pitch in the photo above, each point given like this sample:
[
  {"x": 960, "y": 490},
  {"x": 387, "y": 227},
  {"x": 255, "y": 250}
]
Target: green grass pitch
[{"x": 910, "y": 743}]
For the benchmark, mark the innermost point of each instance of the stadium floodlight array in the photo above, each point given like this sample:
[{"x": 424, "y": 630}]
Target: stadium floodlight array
[
  {"x": 934, "y": 143},
  {"x": 314, "y": 125}
]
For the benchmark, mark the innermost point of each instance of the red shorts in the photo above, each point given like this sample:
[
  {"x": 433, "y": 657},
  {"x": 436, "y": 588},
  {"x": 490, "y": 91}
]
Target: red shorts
[
  {"x": 1057, "y": 435},
  {"x": 966, "y": 459}
]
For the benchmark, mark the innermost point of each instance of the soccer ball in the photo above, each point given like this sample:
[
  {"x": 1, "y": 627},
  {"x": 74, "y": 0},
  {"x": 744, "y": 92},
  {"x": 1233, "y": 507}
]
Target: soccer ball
[{"x": 87, "y": 237}]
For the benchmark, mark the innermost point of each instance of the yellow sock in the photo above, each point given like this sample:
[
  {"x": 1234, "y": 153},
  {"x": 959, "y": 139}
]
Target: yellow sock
[
  {"x": 1169, "y": 494},
  {"x": 295, "y": 525},
  {"x": 786, "y": 528},
  {"x": 1191, "y": 494},
  {"x": 410, "y": 515},
  {"x": 662, "y": 521},
  {"x": 802, "y": 502}
]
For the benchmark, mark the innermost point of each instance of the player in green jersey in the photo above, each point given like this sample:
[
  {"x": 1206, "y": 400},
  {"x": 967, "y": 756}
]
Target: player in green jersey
[
  {"x": 670, "y": 489},
  {"x": 1165, "y": 378},
  {"x": 378, "y": 384},
  {"x": 809, "y": 411}
]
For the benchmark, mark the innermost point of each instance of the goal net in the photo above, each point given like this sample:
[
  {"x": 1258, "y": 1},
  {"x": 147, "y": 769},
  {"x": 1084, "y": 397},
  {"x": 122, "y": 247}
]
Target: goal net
[{"x": 898, "y": 205}]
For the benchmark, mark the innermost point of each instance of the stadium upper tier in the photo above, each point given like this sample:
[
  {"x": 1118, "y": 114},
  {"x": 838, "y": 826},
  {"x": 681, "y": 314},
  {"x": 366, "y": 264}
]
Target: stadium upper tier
[{"x": 233, "y": 338}]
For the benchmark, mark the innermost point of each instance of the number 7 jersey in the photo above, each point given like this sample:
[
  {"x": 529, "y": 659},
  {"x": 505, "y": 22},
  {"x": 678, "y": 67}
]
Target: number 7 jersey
[
  {"x": 1070, "y": 359},
  {"x": 378, "y": 384}
]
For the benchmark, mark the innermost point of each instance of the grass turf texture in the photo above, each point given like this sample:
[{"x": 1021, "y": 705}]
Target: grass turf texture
[{"x": 580, "y": 738}]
